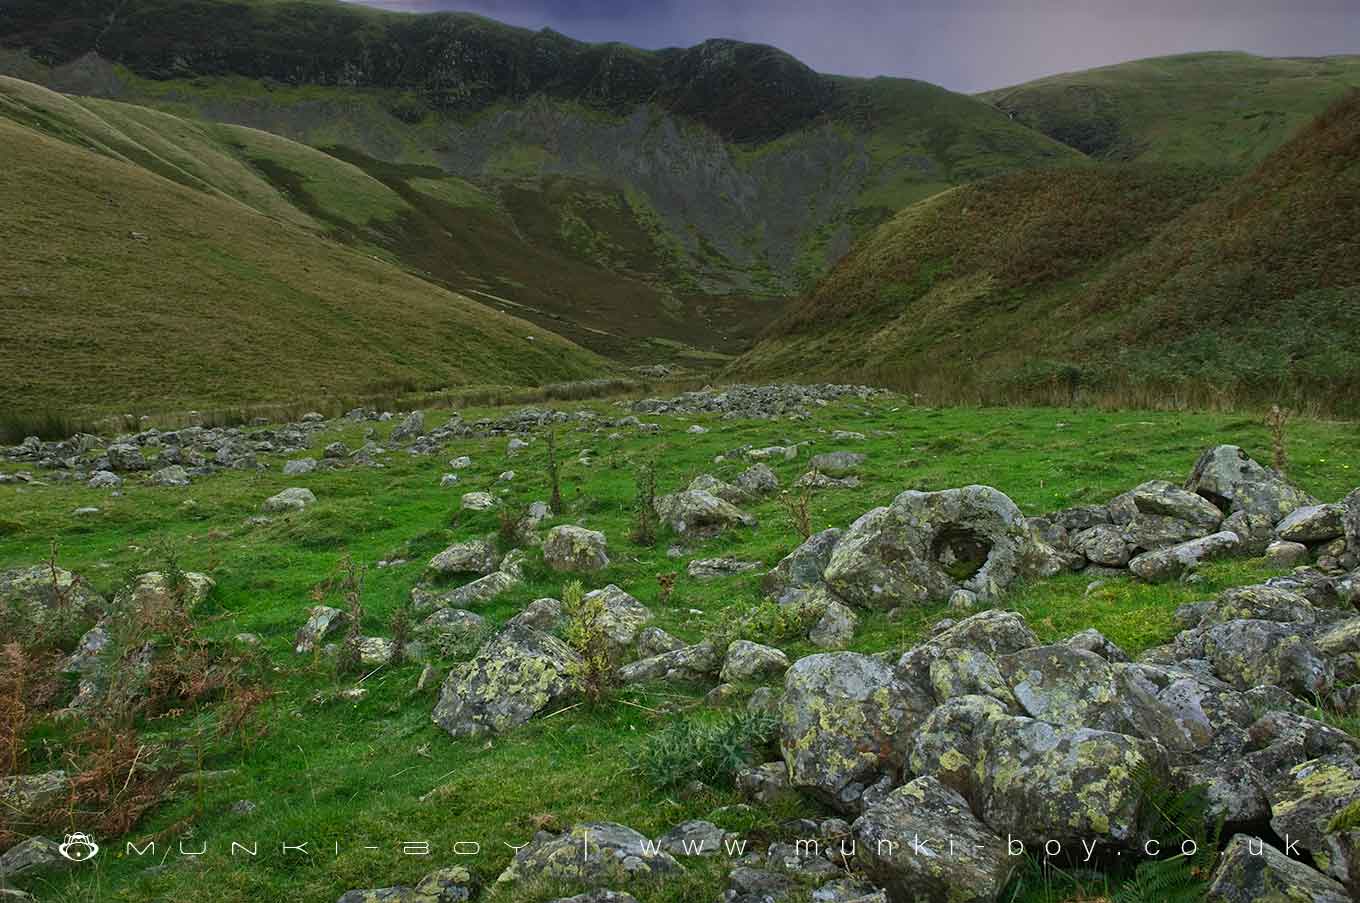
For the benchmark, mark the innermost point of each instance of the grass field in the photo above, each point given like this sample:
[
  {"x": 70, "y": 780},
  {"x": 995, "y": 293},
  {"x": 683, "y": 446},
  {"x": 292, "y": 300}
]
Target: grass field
[{"x": 378, "y": 772}]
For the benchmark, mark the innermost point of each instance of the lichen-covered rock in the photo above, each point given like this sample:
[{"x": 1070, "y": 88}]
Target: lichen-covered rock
[
  {"x": 964, "y": 672},
  {"x": 755, "y": 481},
  {"x": 25, "y": 796},
  {"x": 694, "y": 512},
  {"x": 695, "y": 838},
  {"x": 1250, "y": 652},
  {"x": 1092, "y": 640},
  {"x": 1102, "y": 544},
  {"x": 126, "y": 457},
  {"x": 655, "y": 641},
  {"x": 835, "y": 625},
  {"x": 294, "y": 498},
  {"x": 42, "y": 593},
  {"x": 452, "y": 622},
  {"x": 1148, "y": 532},
  {"x": 322, "y": 621},
  {"x": 1040, "y": 781},
  {"x": 923, "y": 843},
  {"x": 622, "y": 618},
  {"x": 991, "y": 632},
  {"x": 1312, "y": 523},
  {"x": 1253, "y": 871},
  {"x": 751, "y": 661},
  {"x": 1350, "y": 521},
  {"x": 481, "y": 590},
  {"x": 802, "y": 568},
  {"x": 594, "y": 854},
  {"x": 477, "y": 556},
  {"x": 949, "y": 743},
  {"x": 690, "y": 664},
  {"x": 1306, "y": 806},
  {"x": 174, "y": 475},
  {"x": 844, "y": 722},
  {"x": 1228, "y": 477},
  {"x": 105, "y": 479},
  {"x": 411, "y": 427},
  {"x": 36, "y": 854},
  {"x": 575, "y": 549},
  {"x": 1255, "y": 530},
  {"x": 544, "y": 614},
  {"x": 477, "y": 501},
  {"x": 837, "y": 463},
  {"x": 1161, "y": 497},
  {"x": 925, "y": 545},
  {"x": 446, "y": 885},
  {"x": 299, "y": 467},
  {"x": 1170, "y": 563},
  {"x": 516, "y": 675},
  {"x": 1282, "y": 554},
  {"x": 764, "y": 783},
  {"x": 705, "y": 569}
]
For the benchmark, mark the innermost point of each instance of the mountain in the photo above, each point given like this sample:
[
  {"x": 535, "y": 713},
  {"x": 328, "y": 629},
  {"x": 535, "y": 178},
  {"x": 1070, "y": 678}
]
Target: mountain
[
  {"x": 149, "y": 266},
  {"x": 1150, "y": 281},
  {"x": 691, "y": 188},
  {"x": 1224, "y": 109}
]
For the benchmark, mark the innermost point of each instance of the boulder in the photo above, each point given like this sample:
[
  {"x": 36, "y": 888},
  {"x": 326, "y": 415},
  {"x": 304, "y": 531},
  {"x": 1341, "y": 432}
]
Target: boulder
[
  {"x": 452, "y": 622},
  {"x": 923, "y": 843},
  {"x": 1283, "y": 554},
  {"x": 1232, "y": 481},
  {"x": 174, "y": 475},
  {"x": 1101, "y": 544},
  {"x": 477, "y": 556},
  {"x": 765, "y": 783},
  {"x": 478, "y": 501},
  {"x": 322, "y": 622},
  {"x": 1312, "y": 523},
  {"x": 699, "y": 513},
  {"x": 756, "y": 481},
  {"x": 1314, "y": 807},
  {"x": 835, "y": 625},
  {"x": 1169, "y": 500},
  {"x": 1253, "y": 871},
  {"x": 575, "y": 549},
  {"x": 36, "y": 854},
  {"x": 837, "y": 463},
  {"x": 622, "y": 618},
  {"x": 925, "y": 545},
  {"x": 1350, "y": 521},
  {"x": 541, "y": 614},
  {"x": 1250, "y": 653},
  {"x": 412, "y": 426},
  {"x": 483, "y": 589},
  {"x": 27, "y": 796},
  {"x": 690, "y": 664},
  {"x": 43, "y": 593},
  {"x": 1256, "y": 530},
  {"x": 751, "y": 661},
  {"x": 516, "y": 675},
  {"x": 695, "y": 838},
  {"x": 126, "y": 457},
  {"x": 991, "y": 632},
  {"x": 292, "y": 499},
  {"x": 801, "y": 568},
  {"x": 447, "y": 885},
  {"x": 298, "y": 467},
  {"x": 593, "y": 854},
  {"x": 1147, "y": 532},
  {"x": 705, "y": 569},
  {"x": 105, "y": 479},
  {"x": 1170, "y": 563},
  {"x": 844, "y": 724},
  {"x": 1039, "y": 781},
  {"x": 655, "y": 641}
]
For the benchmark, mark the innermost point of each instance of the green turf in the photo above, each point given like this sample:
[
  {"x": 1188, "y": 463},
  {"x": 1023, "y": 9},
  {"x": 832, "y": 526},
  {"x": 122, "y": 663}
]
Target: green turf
[{"x": 379, "y": 772}]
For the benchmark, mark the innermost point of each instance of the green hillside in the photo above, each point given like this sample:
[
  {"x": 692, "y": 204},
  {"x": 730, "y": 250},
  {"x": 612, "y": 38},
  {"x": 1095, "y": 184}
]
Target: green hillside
[
  {"x": 154, "y": 269},
  {"x": 1218, "y": 108},
  {"x": 1113, "y": 279},
  {"x": 696, "y": 178}
]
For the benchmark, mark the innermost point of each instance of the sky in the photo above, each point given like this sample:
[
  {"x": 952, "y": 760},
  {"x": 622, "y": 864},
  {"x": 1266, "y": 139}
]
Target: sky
[{"x": 965, "y": 45}]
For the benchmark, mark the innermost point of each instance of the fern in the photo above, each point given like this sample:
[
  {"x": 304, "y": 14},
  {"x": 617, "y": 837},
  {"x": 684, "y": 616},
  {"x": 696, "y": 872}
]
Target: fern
[{"x": 1174, "y": 880}]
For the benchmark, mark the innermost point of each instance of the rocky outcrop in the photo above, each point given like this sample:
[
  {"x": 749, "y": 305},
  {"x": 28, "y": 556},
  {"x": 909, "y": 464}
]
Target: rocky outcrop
[
  {"x": 1232, "y": 481},
  {"x": 575, "y": 549},
  {"x": 594, "y": 854}
]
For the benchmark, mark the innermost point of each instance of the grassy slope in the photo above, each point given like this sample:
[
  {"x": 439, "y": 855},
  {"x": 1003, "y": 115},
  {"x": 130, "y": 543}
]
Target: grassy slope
[
  {"x": 1217, "y": 108},
  {"x": 360, "y": 774},
  {"x": 1110, "y": 276},
  {"x": 220, "y": 304}
]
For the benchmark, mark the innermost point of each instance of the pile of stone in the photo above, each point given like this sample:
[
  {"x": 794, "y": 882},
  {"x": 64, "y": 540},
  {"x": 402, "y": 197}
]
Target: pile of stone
[{"x": 755, "y": 402}]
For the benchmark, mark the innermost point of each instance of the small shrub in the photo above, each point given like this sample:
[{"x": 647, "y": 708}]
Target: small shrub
[
  {"x": 350, "y": 584},
  {"x": 1276, "y": 420},
  {"x": 767, "y": 622},
  {"x": 667, "y": 583},
  {"x": 798, "y": 504},
  {"x": 585, "y": 634},
  {"x": 644, "y": 506},
  {"x": 508, "y": 520},
  {"x": 401, "y": 627},
  {"x": 711, "y": 751},
  {"x": 554, "y": 475}
]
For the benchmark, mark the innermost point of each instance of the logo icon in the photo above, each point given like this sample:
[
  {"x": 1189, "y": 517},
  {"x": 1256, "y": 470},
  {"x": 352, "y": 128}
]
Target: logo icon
[{"x": 78, "y": 848}]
